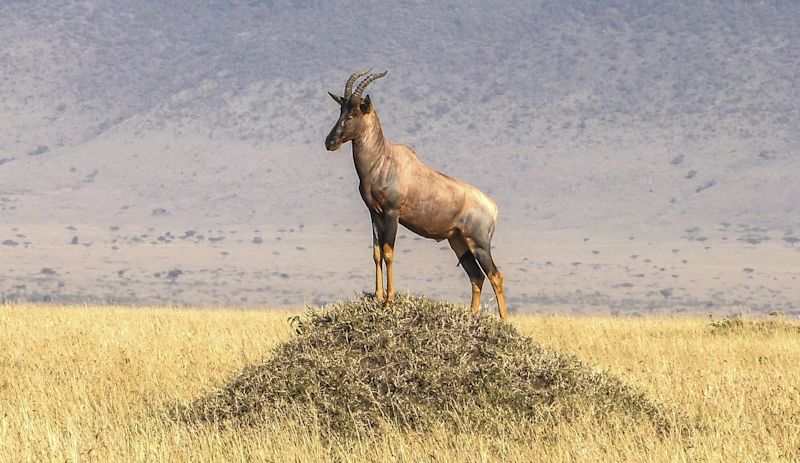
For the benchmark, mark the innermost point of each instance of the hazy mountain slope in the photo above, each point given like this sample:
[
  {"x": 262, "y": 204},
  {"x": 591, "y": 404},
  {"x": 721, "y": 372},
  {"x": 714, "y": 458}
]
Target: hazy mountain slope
[
  {"x": 567, "y": 102},
  {"x": 129, "y": 124}
]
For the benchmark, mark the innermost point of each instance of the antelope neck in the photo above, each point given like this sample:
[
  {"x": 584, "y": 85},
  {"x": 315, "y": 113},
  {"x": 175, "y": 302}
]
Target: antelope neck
[{"x": 369, "y": 148}]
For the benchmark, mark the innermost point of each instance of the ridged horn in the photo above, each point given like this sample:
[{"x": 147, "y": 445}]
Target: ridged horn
[
  {"x": 348, "y": 87},
  {"x": 363, "y": 85}
]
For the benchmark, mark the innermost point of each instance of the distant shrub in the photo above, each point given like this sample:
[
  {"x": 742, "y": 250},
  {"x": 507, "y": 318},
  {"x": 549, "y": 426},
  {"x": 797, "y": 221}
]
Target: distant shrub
[
  {"x": 705, "y": 186},
  {"x": 41, "y": 149}
]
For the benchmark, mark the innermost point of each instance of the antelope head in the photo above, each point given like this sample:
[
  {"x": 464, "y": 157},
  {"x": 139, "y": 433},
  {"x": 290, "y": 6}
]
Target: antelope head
[{"x": 355, "y": 112}]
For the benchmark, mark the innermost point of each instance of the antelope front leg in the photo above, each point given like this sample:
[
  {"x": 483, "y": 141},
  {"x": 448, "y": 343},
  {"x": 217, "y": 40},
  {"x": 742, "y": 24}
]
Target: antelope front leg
[
  {"x": 389, "y": 233},
  {"x": 377, "y": 255}
]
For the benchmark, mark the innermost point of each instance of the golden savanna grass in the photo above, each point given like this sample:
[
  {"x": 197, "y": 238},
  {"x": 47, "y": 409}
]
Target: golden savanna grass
[{"x": 101, "y": 383}]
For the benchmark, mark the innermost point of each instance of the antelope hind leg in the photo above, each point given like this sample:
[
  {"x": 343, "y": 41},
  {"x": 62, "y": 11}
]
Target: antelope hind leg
[
  {"x": 476, "y": 279},
  {"x": 497, "y": 284},
  {"x": 467, "y": 261},
  {"x": 484, "y": 258}
]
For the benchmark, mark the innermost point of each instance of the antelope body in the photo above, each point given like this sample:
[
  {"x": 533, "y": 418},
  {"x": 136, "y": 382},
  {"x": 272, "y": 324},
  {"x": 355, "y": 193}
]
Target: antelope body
[{"x": 398, "y": 188}]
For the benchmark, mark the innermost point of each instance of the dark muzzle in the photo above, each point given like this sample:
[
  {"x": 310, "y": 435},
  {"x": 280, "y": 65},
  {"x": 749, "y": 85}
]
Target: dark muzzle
[
  {"x": 334, "y": 139},
  {"x": 331, "y": 144}
]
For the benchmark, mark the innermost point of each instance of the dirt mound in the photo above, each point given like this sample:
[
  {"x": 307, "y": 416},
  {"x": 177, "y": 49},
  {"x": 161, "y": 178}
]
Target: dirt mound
[{"x": 358, "y": 365}]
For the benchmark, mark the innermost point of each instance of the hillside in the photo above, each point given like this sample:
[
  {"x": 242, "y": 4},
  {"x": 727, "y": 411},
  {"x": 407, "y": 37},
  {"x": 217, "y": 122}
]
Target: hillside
[{"x": 631, "y": 118}]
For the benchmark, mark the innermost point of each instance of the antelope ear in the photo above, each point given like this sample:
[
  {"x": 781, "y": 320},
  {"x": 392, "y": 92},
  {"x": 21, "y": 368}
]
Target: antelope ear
[
  {"x": 336, "y": 98},
  {"x": 366, "y": 105}
]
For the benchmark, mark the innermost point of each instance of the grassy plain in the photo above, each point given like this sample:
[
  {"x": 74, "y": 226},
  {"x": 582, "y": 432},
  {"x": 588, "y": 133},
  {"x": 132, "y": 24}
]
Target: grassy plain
[{"x": 97, "y": 384}]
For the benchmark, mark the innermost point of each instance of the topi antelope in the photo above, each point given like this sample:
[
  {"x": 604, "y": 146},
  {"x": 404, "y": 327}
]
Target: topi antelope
[{"x": 398, "y": 188}]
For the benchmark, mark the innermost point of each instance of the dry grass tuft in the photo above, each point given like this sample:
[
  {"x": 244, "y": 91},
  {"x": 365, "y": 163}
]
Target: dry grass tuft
[
  {"x": 764, "y": 327},
  {"x": 356, "y": 366}
]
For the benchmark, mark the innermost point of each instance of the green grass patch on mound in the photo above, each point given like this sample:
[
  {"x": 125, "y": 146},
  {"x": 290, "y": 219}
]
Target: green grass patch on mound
[{"x": 357, "y": 365}]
